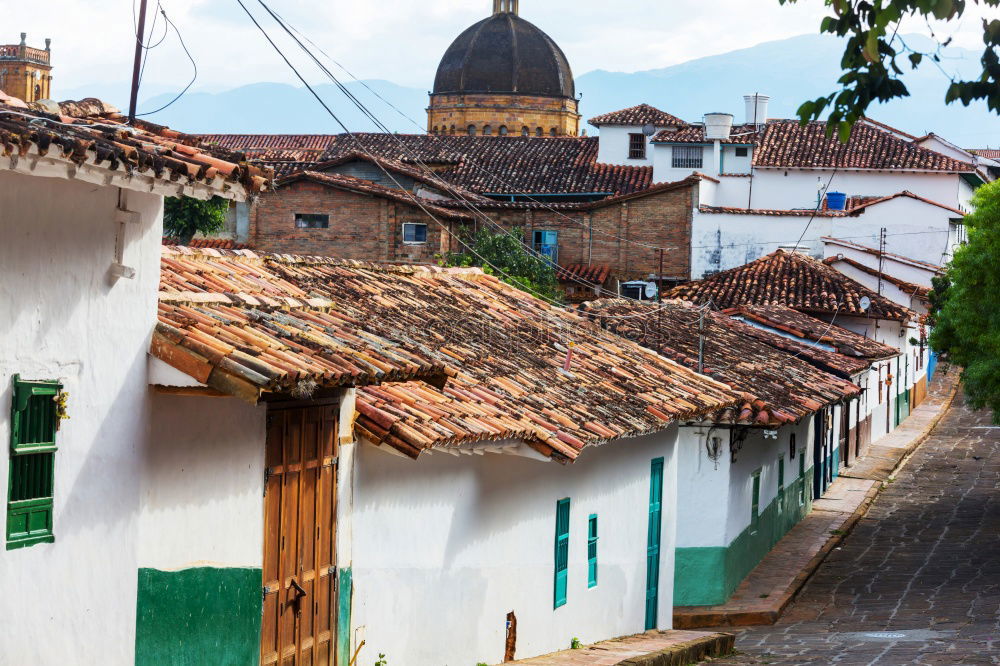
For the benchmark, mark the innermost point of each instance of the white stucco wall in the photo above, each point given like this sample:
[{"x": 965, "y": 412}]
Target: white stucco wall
[
  {"x": 797, "y": 188},
  {"x": 202, "y": 484},
  {"x": 891, "y": 266},
  {"x": 614, "y": 143},
  {"x": 63, "y": 319},
  {"x": 714, "y": 499},
  {"x": 445, "y": 547},
  {"x": 914, "y": 229},
  {"x": 664, "y": 171}
]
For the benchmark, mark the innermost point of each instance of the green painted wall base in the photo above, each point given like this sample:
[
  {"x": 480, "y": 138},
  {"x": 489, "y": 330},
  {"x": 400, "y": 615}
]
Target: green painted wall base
[
  {"x": 198, "y": 616},
  {"x": 345, "y": 588},
  {"x": 708, "y": 576}
]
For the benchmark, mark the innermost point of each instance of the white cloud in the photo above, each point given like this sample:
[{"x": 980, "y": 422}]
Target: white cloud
[{"x": 402, "y": 40}]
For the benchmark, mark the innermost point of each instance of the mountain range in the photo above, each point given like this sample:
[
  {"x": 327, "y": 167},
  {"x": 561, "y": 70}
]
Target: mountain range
[{"x": 791, "y": 71}]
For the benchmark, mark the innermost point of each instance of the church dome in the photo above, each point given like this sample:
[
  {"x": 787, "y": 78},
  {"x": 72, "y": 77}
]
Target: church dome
[{"x": 507, "y": 55}]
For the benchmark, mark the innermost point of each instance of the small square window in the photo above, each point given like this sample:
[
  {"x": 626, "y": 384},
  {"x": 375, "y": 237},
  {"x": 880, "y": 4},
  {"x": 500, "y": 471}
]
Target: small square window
[
  {"x": 742, "y": 152},
  {"x": 636, "y": 146},
  {"x": 311, "y": 221},
  {"x": 414, "y": 233}
]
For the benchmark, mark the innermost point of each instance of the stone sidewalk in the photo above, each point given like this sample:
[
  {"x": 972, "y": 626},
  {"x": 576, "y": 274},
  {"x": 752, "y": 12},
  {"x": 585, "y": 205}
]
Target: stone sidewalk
[
  {"x": 765, "y": 593},
  {"x": 653, "y": 648}
]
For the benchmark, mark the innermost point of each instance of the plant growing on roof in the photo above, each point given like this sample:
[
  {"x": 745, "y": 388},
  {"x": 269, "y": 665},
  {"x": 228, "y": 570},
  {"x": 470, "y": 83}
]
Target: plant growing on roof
[
  {"x": 964, "y": 304},
  {"x": 508, "y": 258},
  {"x": 183, "y": 217},
  {"x": 875, "y": 54}
]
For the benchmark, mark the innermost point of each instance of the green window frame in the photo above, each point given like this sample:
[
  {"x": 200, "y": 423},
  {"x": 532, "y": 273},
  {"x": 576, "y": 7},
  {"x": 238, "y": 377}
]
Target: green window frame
[
  {"x": 592, "y": 551},
  {"x": 802, "y": 479},
  {"x": 34, "y": 421},
  {"x": 561, "y": 553},
  {"x": 755, "y": 502}
]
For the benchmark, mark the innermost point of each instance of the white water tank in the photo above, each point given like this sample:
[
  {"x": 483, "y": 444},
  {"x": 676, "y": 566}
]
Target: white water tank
[
  {"x": 756, "y": 108},
  {"x": 718, "y": 126}
]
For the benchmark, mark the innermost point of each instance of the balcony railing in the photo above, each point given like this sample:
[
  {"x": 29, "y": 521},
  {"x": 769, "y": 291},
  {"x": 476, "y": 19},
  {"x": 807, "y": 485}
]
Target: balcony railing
[{"x": 24, "y": 53}]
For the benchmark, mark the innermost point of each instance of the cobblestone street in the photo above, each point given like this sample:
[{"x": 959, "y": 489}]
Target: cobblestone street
[{"x": 918, "y": 580}]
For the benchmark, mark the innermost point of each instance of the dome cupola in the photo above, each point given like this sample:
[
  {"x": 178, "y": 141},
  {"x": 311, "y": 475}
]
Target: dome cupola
[{"x": 513, "y": 75}]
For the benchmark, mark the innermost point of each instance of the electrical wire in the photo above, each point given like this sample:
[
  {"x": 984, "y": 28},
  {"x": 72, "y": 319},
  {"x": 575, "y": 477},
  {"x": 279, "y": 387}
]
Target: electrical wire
[{"x": 194, "y": 64}]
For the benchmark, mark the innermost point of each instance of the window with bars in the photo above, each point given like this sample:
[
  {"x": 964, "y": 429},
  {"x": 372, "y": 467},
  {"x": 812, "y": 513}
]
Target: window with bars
[
  {"x": 34, "y": 420},
  {"x": 592, "y": 551},
  {"x": 561, "y": 553},
  {"x": 687, "y": 157},
  {"x": 636, "y": 146}
]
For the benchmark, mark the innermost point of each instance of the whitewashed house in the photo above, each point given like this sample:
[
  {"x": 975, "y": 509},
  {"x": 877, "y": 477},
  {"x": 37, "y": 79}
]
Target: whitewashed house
[
  {"x": 808, "y": 285},
  {"x": 81, "y": 205},
  {"x": 764, "y": 180},
  {"x": 478, "y": 504},
  {"x": 746, "y": 475}
]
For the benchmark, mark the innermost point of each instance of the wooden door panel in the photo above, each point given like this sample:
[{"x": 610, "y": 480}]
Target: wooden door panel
[{"x": 300, "y": 543}]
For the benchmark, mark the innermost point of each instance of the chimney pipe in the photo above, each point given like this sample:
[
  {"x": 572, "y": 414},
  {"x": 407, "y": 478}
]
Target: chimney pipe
[{"x": 756, "y": 108}]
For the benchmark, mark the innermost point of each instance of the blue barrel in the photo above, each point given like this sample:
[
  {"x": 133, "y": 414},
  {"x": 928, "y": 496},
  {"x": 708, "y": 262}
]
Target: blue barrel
[{"x": 836, "y": 200}]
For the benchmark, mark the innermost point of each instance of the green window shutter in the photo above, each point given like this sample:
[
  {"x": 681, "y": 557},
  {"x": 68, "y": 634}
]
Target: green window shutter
[
  {"x": 562, "y": 552},
  {"x": 31, "y": 476},
  {"x": 755, "y": 502},
  {"x": 592, "y": 551}
]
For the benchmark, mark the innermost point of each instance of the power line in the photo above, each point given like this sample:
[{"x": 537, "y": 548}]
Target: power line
[{"x": 194, "y": 64}]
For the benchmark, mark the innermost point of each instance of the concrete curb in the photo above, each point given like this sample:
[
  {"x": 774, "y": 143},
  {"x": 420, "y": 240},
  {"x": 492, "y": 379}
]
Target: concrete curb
[
  {"x": 690, "y": 652},
  {"x": 717, "y": 618}
]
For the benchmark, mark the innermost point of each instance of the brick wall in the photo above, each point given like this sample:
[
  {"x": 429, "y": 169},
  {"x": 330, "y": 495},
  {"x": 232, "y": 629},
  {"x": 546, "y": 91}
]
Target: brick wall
[
  {"x": 659, "y": 220},
  {"x": 510, "y": 111},
  {"x": 361, "y": 227}
]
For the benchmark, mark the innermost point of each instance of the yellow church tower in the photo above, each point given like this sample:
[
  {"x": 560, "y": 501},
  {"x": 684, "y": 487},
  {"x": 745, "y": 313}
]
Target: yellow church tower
[
  {"x": 26, "y": 72},
  {"x": 504, "y": 76}
]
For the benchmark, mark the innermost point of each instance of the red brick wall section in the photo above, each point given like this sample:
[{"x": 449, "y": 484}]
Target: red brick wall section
[
  {"x": 370, "y": 228},
  {"x": 361, "y": 227}
]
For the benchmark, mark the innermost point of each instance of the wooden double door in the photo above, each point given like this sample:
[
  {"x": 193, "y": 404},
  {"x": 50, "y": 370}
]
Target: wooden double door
[{"x": 299, "y": 624}]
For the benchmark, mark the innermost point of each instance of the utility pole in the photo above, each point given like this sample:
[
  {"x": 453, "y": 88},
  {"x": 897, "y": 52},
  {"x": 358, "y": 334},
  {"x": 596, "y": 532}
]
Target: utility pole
[
  {"x": 140, "y": 38},
  {"x": 659, "y": 300},
  {"x": 881, "y": 258},
  {"x": 701, "y": 340}
]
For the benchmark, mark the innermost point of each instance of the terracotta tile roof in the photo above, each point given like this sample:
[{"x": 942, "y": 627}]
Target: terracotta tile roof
[
  {"x": 211, "y": 243},
  {"x": 94, "y": 133},
  {"x": 862, "y": 203},
  {"x": 774, "y": 212},
  {"x": 353, "y": 184},
  {"x": 252, "y": 144},
  {"x": 809, "y": 329},
  {"x": 988, "y": 153},
  {"x": 596, "y": 274},
  {"x": 786, "y": 143},
  {"x": 777, "y": 388},
  {"x": 911, "y": 288},
  {"x": 487, "y": 164},
  {"x": 741, "y": 134},
  {"x": 640, "y": 115},
  {"x": 926, "y": 265},
  {"x": 827, "y": 361},
  {"x": 792, "y": 279},
  {"x": 417, "y": 174},
  {"x": 246, "y": 323}
]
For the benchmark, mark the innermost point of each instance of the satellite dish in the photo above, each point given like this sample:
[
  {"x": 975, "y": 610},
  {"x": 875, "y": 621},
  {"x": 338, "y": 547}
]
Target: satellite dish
[
  {"x": 865, "y": 303},
  {"x": 649, "y": 130},
  {"x": 650, "y": 290}
]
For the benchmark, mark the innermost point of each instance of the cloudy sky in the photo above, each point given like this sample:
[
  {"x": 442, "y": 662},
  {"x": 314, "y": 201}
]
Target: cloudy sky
[{"x": 399, "y": 40}]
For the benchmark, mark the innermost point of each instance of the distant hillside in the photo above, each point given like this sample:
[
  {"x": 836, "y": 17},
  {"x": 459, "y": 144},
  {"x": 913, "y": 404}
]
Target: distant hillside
[{"x": 790, "y": 71}]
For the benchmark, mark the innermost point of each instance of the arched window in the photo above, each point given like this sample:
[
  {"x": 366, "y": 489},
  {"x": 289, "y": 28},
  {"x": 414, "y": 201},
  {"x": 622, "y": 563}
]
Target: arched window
[
  {"x": 487, "y": 130},
  {"x": 553, "y": 132},
  {"x": 435, "y": 130},
  {"x": 472, "y": 130},
  {"x": 502, "y": 131},
  {"x": 453, "y": 129},
  {"x": 525, "y": 131},
  {"x": 539, "y": 131}
]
